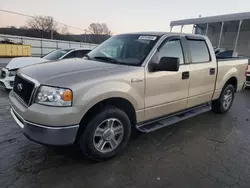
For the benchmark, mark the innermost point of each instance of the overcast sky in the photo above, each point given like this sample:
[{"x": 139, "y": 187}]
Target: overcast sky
[{"x": 122, "y": 15}]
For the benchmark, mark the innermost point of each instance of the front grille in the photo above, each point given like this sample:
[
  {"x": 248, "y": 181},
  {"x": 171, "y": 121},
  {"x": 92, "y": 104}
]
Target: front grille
[
  {"x": 11, "y": 83},
  {"x": 3, "y": 74},
  {"x": 23, "y": 88}
]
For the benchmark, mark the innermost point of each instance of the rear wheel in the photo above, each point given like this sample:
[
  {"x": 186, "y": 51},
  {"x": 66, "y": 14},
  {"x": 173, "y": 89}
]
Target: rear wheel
[
  {"x": 106, "y": 134},
  {"x": 225, "y": 101}
]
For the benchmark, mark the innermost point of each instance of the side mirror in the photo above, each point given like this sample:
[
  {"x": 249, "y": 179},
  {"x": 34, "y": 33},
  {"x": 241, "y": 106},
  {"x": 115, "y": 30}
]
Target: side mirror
[{"x": 167, "y": 64}]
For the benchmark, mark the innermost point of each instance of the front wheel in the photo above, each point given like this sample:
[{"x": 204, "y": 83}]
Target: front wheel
[
  {"x": 225, "y": 101},
  {"x": 106, "y": 134}
]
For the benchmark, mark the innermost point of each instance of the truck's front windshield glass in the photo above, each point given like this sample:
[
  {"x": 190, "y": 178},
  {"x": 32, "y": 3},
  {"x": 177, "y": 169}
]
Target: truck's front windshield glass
[
  {"x": 55, "y": 55},
  {"x": 129, "y": 49}
]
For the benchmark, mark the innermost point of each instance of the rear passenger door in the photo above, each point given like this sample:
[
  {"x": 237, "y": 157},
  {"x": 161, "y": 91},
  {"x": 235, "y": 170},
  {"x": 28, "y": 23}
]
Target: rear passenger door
[{"x": 202, "y": 73}]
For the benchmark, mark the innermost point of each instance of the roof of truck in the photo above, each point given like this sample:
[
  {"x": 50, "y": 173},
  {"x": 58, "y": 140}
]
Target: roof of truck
[{"x": 148, "y": 33}]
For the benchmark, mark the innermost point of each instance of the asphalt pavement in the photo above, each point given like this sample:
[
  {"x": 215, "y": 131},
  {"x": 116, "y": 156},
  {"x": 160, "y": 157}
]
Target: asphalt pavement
[{"x": 209, "y": 151}]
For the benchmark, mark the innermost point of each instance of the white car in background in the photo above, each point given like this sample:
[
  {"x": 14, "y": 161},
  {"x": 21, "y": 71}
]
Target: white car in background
[{"x": 7, "y": 74}]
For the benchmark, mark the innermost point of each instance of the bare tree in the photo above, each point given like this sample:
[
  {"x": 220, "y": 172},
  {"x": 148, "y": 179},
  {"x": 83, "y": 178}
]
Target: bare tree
[
  {"x": 99, "y": 29},
  {"x": 65, "y": 30},
  {"x": 43, "y": 24}
]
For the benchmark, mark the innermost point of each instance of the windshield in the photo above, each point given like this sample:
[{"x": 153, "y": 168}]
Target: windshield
[
  {"x": 55, "y": 55},
  {"x": 129, "y": 49}
]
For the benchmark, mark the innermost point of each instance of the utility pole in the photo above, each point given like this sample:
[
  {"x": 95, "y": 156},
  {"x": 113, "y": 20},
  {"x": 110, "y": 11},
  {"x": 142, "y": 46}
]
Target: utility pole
[
  {"x": 51, "y": 34},
  {"x": 85, "y": 36}
]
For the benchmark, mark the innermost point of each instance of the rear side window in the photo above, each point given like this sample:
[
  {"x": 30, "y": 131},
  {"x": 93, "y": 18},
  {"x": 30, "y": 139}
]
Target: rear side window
[
  {"x": 199, "y": 51},
  {"x": 70, "y": 55}
]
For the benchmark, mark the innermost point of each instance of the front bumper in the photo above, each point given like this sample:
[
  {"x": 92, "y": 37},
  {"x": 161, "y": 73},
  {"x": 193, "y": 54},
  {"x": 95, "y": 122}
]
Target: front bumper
[
  {"x": 7, "y": 81},
  {"x": 61, "y": 135}
]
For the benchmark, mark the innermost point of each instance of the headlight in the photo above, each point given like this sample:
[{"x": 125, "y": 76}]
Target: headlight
[
  {"x": 54, "y": 96},
  {"x": 12, "y": 73}
]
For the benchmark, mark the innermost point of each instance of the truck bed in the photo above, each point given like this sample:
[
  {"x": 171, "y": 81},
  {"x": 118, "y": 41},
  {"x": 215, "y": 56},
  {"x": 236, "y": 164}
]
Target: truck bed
[{"x": 231, "y": 66}]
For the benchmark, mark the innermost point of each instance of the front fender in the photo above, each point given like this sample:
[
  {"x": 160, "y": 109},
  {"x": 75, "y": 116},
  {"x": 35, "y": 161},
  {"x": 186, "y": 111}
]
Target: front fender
[{"x": 112, "y": 89}]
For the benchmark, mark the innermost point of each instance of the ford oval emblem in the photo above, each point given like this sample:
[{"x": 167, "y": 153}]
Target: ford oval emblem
[{"x": 20, "y": 87}]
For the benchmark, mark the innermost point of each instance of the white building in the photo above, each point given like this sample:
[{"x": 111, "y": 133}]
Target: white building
[{"x": 231, "y": 31}]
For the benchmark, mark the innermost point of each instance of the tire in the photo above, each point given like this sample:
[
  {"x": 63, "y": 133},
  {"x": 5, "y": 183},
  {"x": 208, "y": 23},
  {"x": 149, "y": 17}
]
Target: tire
[
  {"x": 219, "y": 105},
  {"x": 103, "y": 127}
]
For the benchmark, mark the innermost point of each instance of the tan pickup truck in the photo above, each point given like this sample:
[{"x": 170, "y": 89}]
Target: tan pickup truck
[{"x": 138, "y": 81}]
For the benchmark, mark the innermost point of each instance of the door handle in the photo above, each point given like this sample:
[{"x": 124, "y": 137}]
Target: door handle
[
  {"x": 212, "y": 71},
  {"x": 185, "y": 75}
]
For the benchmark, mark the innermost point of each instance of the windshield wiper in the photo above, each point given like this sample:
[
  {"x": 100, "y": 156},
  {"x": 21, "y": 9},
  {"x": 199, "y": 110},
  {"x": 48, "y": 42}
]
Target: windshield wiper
[{"x": 108, "y": 59}]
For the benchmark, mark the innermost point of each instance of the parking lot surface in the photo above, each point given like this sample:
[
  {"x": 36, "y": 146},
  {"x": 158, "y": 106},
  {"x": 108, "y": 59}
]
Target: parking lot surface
[{"x": 208, "y": 150}]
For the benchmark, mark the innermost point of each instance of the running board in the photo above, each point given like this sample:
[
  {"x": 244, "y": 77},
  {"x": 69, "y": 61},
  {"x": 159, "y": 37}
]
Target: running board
[{"x": 174, "y": 118}]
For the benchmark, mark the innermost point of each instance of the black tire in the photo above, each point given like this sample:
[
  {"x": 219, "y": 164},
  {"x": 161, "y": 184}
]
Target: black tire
[
  {"x": 217, "y": 105},
  {"x": 86, "y": 141}
]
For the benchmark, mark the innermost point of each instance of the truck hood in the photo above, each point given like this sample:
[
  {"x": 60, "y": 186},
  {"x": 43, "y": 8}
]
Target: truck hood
[
  {"x": 69, "y": 72},
  {"x": 20, "y": 62}
]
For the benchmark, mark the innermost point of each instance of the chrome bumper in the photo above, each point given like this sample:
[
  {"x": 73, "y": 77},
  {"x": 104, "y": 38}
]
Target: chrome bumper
[{"x": 57, "y": 136}]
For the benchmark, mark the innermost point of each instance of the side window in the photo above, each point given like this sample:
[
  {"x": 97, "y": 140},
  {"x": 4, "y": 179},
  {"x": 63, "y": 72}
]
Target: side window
[
  {"x": 81, "y": 53},
  {"x": 70, "y": 55},
  {"x": 172, "y": 49},
  {"x": 199, "y": 51}
]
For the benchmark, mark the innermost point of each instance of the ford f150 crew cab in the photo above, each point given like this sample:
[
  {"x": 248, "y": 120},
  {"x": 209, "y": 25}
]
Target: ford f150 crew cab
[
  {"x": 138, "y": 81},
  {"x": 7, "y": 74}
]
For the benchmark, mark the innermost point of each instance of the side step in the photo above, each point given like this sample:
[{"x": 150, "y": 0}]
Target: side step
[{"x": 174, "y": 118}]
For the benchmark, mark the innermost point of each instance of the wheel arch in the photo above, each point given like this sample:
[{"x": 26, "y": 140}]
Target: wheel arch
[
  {"x": 121, "y": 103},
  {"x": 233, "y": 81}
]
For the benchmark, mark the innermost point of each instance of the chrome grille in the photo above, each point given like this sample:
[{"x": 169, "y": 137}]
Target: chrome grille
[{"x": 23, "y": 88}]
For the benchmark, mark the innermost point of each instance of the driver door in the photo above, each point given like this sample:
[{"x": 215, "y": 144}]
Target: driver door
[{"x": 167, "y": 92}]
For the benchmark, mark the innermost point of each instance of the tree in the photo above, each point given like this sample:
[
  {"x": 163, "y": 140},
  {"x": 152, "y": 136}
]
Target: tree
[
  {"x": 99, "y": 29},
  {"x": 42, "y": 23},
  {"x": 65, "y": 30}
]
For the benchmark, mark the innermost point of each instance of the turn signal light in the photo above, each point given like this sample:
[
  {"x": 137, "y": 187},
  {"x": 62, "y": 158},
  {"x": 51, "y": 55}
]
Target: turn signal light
[{"x": 67, "y": 95}]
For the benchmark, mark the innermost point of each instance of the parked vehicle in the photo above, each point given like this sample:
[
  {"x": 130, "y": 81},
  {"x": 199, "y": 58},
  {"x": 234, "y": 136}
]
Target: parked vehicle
[
  {"x": 142, "y": 81},
  {"x": 248, "y": 75},
  {"x": 225, "y": 54},
  {"x": 222, "y": 53},
  {"x": 218, "y": 50},
  {"x": 8, "y": 73}
]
